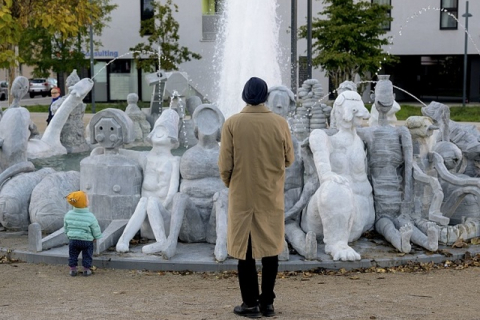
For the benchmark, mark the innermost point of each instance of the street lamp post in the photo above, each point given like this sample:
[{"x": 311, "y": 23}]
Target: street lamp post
[
  {"x": 466, "y": 15},
  {"x": 309, "y": 39},
  {"x": 293, "y": 50},
  {"x": 91, "y": 65}
]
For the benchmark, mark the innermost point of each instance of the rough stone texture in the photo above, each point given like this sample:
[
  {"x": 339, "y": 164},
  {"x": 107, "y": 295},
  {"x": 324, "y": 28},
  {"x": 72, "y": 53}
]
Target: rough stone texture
[
  {"x": 47, "y": 203},
  {"x": 35, "y": 237},
  {"x": 113, "y": 184},
  {"x": 15, "y": 199},
  {"x": 141, "y": 127},
  {"x": 72, "y": 136},
  {"x": 14, "y": 136},
  {"x": 50, "y": 145}
]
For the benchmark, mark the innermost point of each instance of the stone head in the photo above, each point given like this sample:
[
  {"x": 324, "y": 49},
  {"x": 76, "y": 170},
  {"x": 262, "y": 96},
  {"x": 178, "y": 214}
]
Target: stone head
[
  {"x": 347, "y": 86},
  {"x": 451, "y": 154},
  {"x": 281, "y": 100},
  {"x": 348, "y": 110},
  {"x": 165, "y": 130},
  {"x": 20, "y": 87},
  {"x": 420, "y": 127},
  {"x": 132, "y": 98},
  {"x": 111, "y": 128},
  {"x": 384, "y": 96},
  {"x": 72, "y": 79},
  {"x": 208, "y": 121},
  {"x": 440, "y": 115}
]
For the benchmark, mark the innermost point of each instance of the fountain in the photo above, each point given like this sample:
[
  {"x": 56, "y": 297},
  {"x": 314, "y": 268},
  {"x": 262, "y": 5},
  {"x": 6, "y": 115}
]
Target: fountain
[
  {"x": 241, "y": 57},
  {"x": 246, "y": 48}
]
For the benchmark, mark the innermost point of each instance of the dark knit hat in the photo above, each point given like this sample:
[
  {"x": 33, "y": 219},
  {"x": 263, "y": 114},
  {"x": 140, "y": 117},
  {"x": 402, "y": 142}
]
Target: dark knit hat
[{"x": 255, "y": 91}]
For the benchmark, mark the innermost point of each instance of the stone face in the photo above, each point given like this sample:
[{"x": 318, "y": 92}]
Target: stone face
[{"x": 47, "y": 203}]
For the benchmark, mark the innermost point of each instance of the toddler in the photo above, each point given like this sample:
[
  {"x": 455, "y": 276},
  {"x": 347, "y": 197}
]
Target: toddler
[{"x": 82, "y": 229}]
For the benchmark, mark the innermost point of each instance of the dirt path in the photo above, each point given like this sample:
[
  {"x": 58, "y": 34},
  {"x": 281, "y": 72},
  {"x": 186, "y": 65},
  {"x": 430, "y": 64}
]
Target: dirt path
[{"x": 32, "y": 291}]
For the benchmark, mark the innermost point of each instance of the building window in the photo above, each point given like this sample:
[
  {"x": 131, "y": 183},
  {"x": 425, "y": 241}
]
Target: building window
[
  {"x": 146, "y": 14},
  {"x": 386, "y": 25},
  {"x": 449, "y": 14},
  {"x": 211, "y": 11}
]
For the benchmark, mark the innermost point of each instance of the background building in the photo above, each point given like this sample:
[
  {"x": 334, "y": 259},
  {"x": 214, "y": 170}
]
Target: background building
[{"x": 428, "y": 41}]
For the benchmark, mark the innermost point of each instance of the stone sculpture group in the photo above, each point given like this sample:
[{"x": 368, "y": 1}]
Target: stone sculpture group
[{"x": 412, "y": 184}]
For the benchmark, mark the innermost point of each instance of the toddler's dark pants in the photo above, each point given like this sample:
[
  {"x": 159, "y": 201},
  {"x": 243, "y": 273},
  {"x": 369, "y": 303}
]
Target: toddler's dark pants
[{"x": 74, "y": 249}]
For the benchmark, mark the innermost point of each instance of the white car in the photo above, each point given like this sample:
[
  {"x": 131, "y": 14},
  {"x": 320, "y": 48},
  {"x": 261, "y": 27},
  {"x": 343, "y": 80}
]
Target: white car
[{"x": 39, "y": 86}]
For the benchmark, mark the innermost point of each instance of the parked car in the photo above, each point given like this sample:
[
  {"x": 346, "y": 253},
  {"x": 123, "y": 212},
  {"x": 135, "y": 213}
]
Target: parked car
[
  {"x": 3, "y": 90},
  {"x": 53, "y": 82},
  {"x": 39, "y": 86}
]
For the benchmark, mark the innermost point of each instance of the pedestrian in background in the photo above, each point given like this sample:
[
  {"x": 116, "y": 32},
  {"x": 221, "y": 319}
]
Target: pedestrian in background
[{"x": 55, "y": 93}]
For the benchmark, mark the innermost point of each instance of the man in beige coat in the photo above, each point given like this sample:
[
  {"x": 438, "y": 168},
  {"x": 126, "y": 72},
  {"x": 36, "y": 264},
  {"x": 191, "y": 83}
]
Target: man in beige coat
[{"x": 256, "y": 147}]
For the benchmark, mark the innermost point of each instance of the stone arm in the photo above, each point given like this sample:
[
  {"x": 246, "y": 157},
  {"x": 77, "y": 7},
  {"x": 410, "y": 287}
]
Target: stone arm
[
  {"x": 311, "y": 183},
  {"x": 321, "y": 150},
  {"x": 449, "y": 177},
  {"x": 434, "y": 211},
  {"x": 139, "y": 156},
  {"x": 174, "y": 182},
  {"x": 407, "y": 148}
]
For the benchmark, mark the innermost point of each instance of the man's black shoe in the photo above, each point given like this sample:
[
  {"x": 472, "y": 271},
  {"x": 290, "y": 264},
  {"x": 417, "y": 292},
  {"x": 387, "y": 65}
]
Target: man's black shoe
[
  {"x": 267, "y": 310},
  {"x": 249, "y": 312}
]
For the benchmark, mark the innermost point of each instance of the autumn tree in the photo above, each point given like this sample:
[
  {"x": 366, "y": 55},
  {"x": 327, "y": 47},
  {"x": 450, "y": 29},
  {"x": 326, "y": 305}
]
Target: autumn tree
[
  {"x": 52, "y": 17},
  {"x": 162, "y": 32},
  {"x": 59, "y": 52},
  {"x": 348, "y": 39}
]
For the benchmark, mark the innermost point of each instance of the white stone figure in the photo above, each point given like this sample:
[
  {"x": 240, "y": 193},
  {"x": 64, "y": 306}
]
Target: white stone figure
[
  {"x": 49, "y": 145},
  {"x": 72, "y": 135},
  {"x": 390, "y": 164},
  {"x": 161, "y": 178},
  {"x": 141, "y": 126},
  {"x": 342, "y": 208},
  {"x": 200, "y": 181}
]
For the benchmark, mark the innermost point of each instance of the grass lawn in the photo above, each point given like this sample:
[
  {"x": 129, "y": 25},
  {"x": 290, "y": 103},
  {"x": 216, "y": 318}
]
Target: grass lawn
[{"x": 457, "y": 113}]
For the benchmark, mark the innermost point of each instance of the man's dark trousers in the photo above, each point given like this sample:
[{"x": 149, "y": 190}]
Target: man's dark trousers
[{"x": 248, "y": 279}]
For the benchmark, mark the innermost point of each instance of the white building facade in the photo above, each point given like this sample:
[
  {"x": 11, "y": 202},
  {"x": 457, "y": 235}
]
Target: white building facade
[{"x": 428, "y": 41}]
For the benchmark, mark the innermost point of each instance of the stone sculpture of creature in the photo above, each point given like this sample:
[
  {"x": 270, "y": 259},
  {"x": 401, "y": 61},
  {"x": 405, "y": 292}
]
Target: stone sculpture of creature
[
  {"x": 342, "y": 208},
  {"x": 390, "y": 162},
  {"x": 49, "y": 145}
]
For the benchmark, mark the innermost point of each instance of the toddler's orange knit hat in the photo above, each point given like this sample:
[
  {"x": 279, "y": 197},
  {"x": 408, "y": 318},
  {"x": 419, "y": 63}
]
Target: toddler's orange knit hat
[{"x": 78, "y": 199}]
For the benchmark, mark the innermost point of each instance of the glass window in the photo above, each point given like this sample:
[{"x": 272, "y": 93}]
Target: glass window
[
  {"x": 386, "y": 25},
  {"x": 146, "y": 13},
  {"x": 212, "y": 6},
  {"x": 448, "y": 14}
]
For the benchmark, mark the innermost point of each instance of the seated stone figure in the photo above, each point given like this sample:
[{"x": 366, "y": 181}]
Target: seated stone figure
[
  {"x": 390, "y": 163},
  {"x": 342, "y": 208},
  {"x": 161, "y": 178},
  {"x": 200, "y": 181}
]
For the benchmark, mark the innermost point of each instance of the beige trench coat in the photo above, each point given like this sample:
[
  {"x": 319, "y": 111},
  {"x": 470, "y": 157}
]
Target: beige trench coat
[{"x": 255, "y": 149}]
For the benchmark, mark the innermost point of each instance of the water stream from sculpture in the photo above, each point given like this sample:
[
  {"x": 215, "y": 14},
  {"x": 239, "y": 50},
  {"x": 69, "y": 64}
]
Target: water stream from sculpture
[{"x": 247, "y": 47}]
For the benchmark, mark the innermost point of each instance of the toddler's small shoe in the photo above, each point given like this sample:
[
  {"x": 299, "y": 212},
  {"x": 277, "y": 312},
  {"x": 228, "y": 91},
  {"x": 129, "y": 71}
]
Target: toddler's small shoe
[
  {"x": 87, "y": 272},
  {"x": 73, "y": 272}
]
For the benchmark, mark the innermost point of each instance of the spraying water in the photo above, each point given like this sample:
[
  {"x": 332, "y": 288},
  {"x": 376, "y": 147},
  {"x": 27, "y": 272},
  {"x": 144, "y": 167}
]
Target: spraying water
[{"x": 247, "y": 47}]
